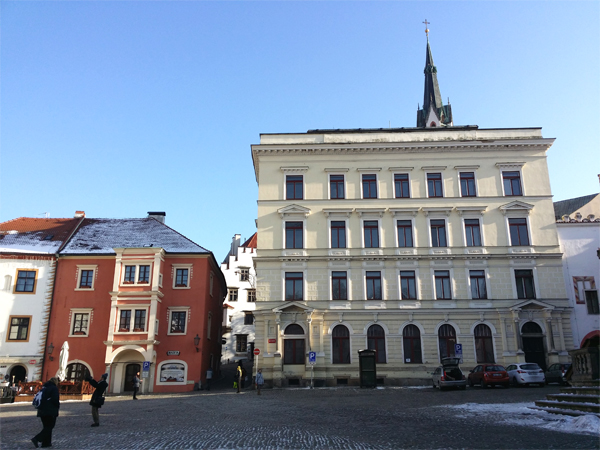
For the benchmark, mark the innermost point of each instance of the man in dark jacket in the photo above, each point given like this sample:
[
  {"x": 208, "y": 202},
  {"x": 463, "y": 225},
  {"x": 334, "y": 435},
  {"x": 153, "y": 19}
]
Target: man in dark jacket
[
  {"x": 48, "y": 412},
  {"x": 97, "y": 397}
]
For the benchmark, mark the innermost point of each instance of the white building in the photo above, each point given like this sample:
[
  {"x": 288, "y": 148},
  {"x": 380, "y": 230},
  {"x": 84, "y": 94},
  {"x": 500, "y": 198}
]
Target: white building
[
  {"x": 239, "y": 306},
  {"x": 28, "y": 249},
  {"x": 578, "y": 225}
]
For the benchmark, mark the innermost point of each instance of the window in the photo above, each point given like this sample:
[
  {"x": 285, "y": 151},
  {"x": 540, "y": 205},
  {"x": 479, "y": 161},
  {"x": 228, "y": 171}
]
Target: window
[
  {"x": 473, "y": 232},
  {"x": 434, "y": 185},
  {"x": 411, "y": 337},
  {"x": 241, "y": 343},
  {"x": 181, "y": 277},
  {"x": 293, "y": 349},
  {"x": 339, "y": 286},
  {"x": 405, "y": 235},
  {"x": 338, "y": 234},
  {"x": 369, "y": 185},
  {"x": 376, "y": 341},
  {"x": 373, "y": 286},
  {"x": 408, "y": 285},
  {"x": 525, "y": 285},
  {"x": 484, "y": 346},
  {"x": 244, "y": 274},
  {"x": 371, "y": 229},
  {"x": 478, "y": 289},
  {"x": 139, "y": 323},
  {"x": 512, "y": 183},
  {"x": 77, "y": 372},
  {"x": 18, "y": 329},
  {"x": 293, "y": 286},
  {"x": 293, "y": 235},
  {"x": 26, "y": 281},
  {"x": 340, "y": 339},
  {"x": 129, "y": 275},
  {"x": 80, "y": 324},
  {"x": 446, "y": 340},
  {"x": 86, "y": 279},
  {"x": 591, "y": 300},
  {"x": 293, "y": 187},
  {"x": 144, "y": 275},
  {"x": 401, "y": 185},
  {"x": 177, "y": 322},
  {"x": 442, "y": 285},
  {"x": 467, "y": 184},
  {"x": 248, "y": 318},
  {"x": 518, "y": 232},
  {"x": 233, "y": 295},
  {"x": 438, "y": 233},
  {"x": 125, "y": 320},
  {"x": 336, "y": 186},
  {"x": 251, "y": 295}
]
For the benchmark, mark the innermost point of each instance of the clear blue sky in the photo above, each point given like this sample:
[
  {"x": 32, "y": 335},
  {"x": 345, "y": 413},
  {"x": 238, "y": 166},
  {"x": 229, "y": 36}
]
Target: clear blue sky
[{"x": 119, "y": 108}]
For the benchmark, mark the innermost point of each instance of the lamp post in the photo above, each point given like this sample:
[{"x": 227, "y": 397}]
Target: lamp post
[
  {"x": 197, "y": 342},
  {"x": 50, "y": 350}
]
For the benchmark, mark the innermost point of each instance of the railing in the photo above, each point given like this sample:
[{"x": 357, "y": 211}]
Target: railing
[
  {"x": 586, "y": 370},
  {"x": 64, "y": 388}
]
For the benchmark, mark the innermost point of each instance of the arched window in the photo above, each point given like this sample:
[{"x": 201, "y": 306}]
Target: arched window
[
  {"x": 77, "y": 372},
  {"x": 376, "y": 341},
  {"x": 447, "y": 339},
  {"x": 293, "y": 348},
  {"x": 411, "y": 336},
  {"x": 531, "y": 328},
  {"x": 484, "y": 346},
  {"x": 341, "y": 345}
]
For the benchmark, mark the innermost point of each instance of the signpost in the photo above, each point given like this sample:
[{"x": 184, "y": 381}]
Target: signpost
[
  {"x": 256, "y": 353},
  {"x": 312, "y": 360},
  {"x": 145, "y": 369},
  {"x": 458, "y": 352}
]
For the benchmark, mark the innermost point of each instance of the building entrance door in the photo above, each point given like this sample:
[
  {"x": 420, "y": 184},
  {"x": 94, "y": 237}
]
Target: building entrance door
[
  {"x": 130, "y": 371},
  {"x": 533, "y": 344},
  {"x": 17, "y": 373}
]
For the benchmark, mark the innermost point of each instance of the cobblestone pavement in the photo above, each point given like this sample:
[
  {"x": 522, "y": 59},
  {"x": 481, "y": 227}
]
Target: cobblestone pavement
[{"x": 327, "y": 418}]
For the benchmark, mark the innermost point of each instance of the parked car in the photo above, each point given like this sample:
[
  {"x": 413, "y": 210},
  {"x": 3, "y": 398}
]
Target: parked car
[
  {"x": 488, "y": 374},
  {"x": 526, "y": 374},
  {"x": 449, "y": 375},
  {"x": 556, "y": 373}
]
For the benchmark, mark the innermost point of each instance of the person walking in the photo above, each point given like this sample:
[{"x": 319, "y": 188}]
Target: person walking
[
  {"x": 239, "y": 374},
  {"x": 97, "y": 397},
  {"x": 260, "y": 380},
  {"x": 208, "y": 378},
  {"x": 48, "y": 412},
  {"x": 136, "y": 385}
]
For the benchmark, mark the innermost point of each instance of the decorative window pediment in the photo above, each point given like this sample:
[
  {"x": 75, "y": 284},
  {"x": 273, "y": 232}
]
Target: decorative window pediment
[
  {"x": 471, "y": 210},
  {"x": 293, "y": 307},
  {"x": 531, "y": 304},
  {"x": 440, "y": 211},
  {"x": 404, "y": 211},
  {"x": 516, "y": 206},
  {"x": 338, "y": 212},
  {"x": 293, "y": 210},
  {"x": 370, "y": 212}
]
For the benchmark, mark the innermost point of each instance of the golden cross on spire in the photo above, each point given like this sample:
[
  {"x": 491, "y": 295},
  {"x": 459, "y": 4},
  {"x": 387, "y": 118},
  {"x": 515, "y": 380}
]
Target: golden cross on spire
[{"x": 426, "y": 29}]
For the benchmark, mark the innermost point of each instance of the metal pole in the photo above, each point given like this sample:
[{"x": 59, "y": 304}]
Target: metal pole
[{"x": 312, "y": 368}]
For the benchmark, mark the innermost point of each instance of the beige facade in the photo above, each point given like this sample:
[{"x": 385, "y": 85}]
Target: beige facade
[{"x": 468, "y": 254}]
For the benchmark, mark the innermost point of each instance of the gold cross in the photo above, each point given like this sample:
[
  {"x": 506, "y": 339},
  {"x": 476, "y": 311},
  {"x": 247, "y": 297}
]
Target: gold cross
[{"x": 426, "y": 29}]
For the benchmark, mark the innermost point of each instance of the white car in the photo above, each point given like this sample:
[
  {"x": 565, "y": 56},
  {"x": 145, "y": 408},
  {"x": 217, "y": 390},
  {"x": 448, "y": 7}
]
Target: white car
[{"x": 525, "y": 374}]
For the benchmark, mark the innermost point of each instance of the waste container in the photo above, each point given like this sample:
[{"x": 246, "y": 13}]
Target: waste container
[{"x": 368, "y": 368}]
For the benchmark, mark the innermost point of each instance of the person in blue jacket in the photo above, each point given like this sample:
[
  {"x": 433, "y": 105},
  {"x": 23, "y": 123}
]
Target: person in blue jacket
[{"x": 48, "y": 412}]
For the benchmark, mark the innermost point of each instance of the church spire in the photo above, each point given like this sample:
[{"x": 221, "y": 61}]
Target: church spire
[{"x": 434, "y": 113}]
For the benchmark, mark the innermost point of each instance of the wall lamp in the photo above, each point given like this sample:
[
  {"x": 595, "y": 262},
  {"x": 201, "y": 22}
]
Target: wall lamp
[
  {"x": 197, "y": 342},
  {"x": 50, "y": 350}
]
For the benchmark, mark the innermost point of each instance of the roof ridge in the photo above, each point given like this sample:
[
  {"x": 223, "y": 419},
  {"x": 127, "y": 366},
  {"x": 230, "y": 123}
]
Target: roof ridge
[{"x": 174, "y": 230}]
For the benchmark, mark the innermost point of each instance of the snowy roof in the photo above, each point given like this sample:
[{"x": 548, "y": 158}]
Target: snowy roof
[
  {"x": 101, "y": 236},
  {"x": 33, "y": 235}
]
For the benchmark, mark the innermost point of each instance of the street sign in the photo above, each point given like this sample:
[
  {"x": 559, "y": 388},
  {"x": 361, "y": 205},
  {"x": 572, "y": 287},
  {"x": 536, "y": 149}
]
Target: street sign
[
  {"x": 146, "y": 366},
  {"x": 32, "y": 361},
  {"x": 458, "y": 351},
  {"x": 312, "y": 357},
  {"x": 256, "y": 351}
]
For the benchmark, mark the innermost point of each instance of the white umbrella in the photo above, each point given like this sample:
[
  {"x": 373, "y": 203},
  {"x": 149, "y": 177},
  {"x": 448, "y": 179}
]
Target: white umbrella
[{"x": 62, "y": 362}]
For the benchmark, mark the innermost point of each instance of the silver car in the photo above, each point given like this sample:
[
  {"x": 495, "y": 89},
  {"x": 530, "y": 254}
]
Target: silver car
[
  {"x": 524, "y": 374},
  {"x": 449, "y": 375}
]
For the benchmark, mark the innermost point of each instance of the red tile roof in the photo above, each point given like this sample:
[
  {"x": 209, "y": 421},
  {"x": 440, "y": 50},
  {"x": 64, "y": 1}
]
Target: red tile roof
[
  {"x": 37, "y": 235},
  {"x": 251, "y": 242}
]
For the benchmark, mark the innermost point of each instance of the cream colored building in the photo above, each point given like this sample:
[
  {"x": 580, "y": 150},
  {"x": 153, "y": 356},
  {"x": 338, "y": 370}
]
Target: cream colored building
[{"x": 407, "y": 241}]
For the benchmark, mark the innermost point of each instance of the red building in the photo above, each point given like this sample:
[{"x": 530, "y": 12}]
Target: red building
[{"x": 133, "y": 295}]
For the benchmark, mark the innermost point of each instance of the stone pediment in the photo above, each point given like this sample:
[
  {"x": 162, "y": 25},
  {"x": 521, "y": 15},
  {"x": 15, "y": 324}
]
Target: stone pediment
[
  {"x": 516, "y": 206},
  {"x": 292, "y": 307},
  {"x": 292, "y": 210},
  {"x": 531, "y": 305}
]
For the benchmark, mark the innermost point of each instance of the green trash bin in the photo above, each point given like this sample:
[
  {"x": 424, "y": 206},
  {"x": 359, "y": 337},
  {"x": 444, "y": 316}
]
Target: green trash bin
[{"x": 368, "y": 368}]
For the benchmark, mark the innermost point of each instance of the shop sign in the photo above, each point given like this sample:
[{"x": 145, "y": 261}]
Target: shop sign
[
  {"x": 172, "y": 373},
  {"x": 173, "y": 353},
  {"x": 32, "y": 361},
  {"x": 272, "y": 341}
]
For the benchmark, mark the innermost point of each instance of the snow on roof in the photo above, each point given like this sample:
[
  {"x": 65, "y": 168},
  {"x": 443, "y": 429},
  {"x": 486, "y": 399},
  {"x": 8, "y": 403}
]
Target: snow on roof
[
  {"x": 34, "y": 235},
  {"x": 101, "y": 236}
]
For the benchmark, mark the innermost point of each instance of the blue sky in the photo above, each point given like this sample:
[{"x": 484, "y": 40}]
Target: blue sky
[{"x": 119, "y": 108}]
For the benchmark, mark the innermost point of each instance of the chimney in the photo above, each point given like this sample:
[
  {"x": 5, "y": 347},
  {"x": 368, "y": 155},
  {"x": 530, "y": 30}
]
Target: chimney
[
  {"x": 158, "y": 215},
  {"x": 79, "y": 214},
  {"x": 235, "y": 243}
]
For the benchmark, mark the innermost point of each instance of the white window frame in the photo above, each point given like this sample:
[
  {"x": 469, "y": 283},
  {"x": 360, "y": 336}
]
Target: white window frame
[
  {"x": 136, "y": 264},
  {"x": 536, "y": 284},
  {"x": 518, "y": 215},
  {"x": 171, "y": 383},
  {"x": 511, "y": 167},
  {"x": 160, "y": 280},
  {"x": 446, "y": 227},
  {"x": 417, "y": 284},
  {"x": 413, "y": 229},
  {"x": 73, "y": 311},
  {"x": 383, "y": 283},
  {"x": 379, "y": 232},
  {"x": 401, "y": 171},
  {"x": 81, "y": 268},
  {"x": 237, "y": 290},
  {"x": 452, "y": 284},
  {"x": 291, "y": 219},
  {"x": 432, "y": 170},
  {"x": 339, "y": 172},
  {"x": 170, "y": 312},
  {"x": 132, "y": 308},
  {"x": 470, "y": 213},
  {"x": 174, "y": 268},
  {"x": 348, "y": 285},
  {"x": 346, "y": 227},
  {"x": 294, "y": 269},
  {"x": 370, "y": 171},
  {"x": 460, "y": 169},
  {"x": 294, "y": 171},
  {"x": 487, "y": 283}
]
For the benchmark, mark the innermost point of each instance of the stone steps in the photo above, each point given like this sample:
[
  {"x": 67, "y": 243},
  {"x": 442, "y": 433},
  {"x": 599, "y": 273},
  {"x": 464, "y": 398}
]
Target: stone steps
[{"x": 572, "y": 401}]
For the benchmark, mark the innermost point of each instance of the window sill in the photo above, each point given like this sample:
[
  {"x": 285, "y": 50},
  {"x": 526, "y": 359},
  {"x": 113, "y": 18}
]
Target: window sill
[
  {"x": 182, "y": 333},
  {"x": 87, "y": 289},
  {"x": 439, "y": 251},
  {"x": 181, "y": 287},
  {"x": 79, "y": 335}
]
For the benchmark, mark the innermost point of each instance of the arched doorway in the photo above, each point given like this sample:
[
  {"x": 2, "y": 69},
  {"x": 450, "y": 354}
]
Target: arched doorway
[
  {"x": 293, "y": 346},
  {"x": 122, "y": 369},
  {"x": 130, "y": 371},
  {"x": 446, "y": 339},
  {"x": 484, "y": 345},
  {"x": 17, "y": 374},
  {"x": 77, "y": 372},
  {"x": 533, "y": 344}
]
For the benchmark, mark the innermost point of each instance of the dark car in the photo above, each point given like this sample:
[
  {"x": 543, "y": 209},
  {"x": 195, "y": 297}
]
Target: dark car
[
  {"x": 556, "y": 373},
  {"x": 449, "y": 375},
  {"x": 489, "y": 374}
]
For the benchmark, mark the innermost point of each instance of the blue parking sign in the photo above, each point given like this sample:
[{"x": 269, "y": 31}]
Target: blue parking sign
[
  {"x": 312, "y": 357},
  {"x": 458, "y": 349},
  {"x": 146, "y": 366}
]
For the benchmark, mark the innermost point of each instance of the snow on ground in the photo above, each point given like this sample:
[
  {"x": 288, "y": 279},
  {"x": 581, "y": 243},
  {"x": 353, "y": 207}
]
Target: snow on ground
[{"x": 521, "y": 414}]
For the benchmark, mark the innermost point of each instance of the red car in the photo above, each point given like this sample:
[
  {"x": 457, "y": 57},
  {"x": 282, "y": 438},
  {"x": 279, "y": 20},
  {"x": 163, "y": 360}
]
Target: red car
[{"x": 489, "y": 374}]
